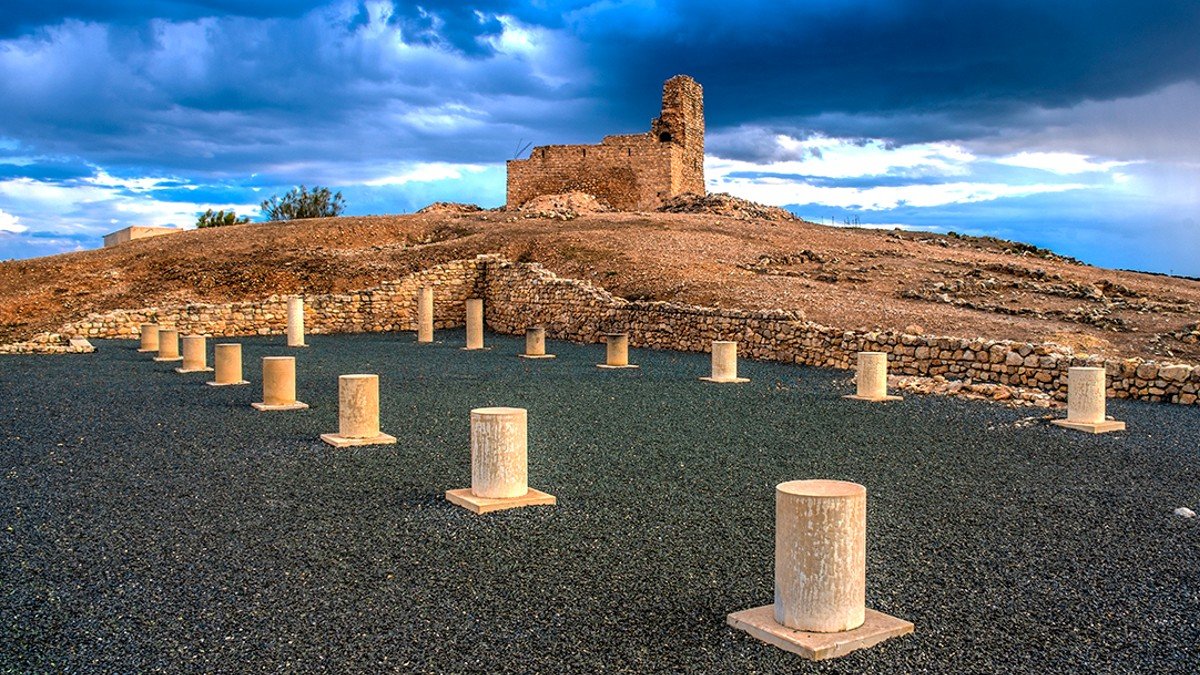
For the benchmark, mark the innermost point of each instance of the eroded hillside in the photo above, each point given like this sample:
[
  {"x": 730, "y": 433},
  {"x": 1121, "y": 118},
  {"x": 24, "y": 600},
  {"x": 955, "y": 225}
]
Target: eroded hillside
[{"x": 851, "y": 278}]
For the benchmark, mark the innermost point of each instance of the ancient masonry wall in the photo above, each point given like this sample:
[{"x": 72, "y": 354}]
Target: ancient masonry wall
[
  {"x": 391, "y": 306},
  {"x": 518, "y": 295},
  {"x": 526, "y": 294}
]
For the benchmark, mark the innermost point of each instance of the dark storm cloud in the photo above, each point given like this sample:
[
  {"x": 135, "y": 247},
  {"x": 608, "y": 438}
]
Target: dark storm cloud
[{"x": 972, "y": 64}]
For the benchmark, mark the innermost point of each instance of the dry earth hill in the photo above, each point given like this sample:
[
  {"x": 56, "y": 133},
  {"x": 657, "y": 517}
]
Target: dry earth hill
[{"x": 714, "y": 251}]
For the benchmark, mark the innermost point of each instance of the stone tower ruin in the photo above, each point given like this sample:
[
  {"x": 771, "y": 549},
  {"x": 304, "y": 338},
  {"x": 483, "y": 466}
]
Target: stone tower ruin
[{"x": 631, "y": 172}]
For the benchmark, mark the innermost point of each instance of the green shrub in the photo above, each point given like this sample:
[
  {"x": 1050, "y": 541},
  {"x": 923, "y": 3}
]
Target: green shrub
[
  {"x": 212, "y": 218},
  {"x": 302, "y": 203}
]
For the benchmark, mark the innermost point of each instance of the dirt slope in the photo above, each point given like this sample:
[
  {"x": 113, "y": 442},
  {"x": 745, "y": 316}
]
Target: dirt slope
[{"x": 852, "y": 278}]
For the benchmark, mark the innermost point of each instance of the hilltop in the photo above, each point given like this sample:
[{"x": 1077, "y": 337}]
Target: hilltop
[{"x": 727, "y": 255}]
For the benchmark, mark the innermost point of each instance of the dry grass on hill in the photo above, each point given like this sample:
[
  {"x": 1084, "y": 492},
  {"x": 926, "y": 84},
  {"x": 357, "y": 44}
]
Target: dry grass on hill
[{"x": 852, "y": 278}]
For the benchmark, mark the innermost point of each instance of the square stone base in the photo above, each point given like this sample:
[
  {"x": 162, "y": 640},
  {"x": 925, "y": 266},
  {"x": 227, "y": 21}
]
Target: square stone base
[
  {"x": 226, "y": 384},
  {"x": 297, "y": 346},
  {"x": 1091, "y": 428},
  {"x": 466, "y": 499},
  {"x": 873, "y": 399},
  {"x": 339, "y": 441},
  {"x": 147, "y": 351},
  {"x": 538, "y": 356},
  {"x": 760, "y": 624},
  {"x": 287, "y": 406},
  {"x": 476, "y": 349},
  {"x": 193, "y": 370},
  {"x": 736, "y": 380},
  {"x": 161, "y": 359},
  {"x": 608, "y": 367}
]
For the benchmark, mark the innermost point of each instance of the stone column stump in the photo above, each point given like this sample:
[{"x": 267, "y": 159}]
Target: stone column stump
[
  {"x": 535, "y": 344},
  {"x": 724, "y": 364},
  {"x": 871, "y": 379},
  {"x": 820, "y": 575},
  {"x": 279, "y": 385},
  {"x": 228, "y": 357},
  {"x": 358, "y": 413},
  {"x": 168, "y": 345},
  {"x": 295, "y": 322},
  {"x": 195, "y": 355},
  {"x": 474, "y": 308},
  {"x": 425, "y": 315},
  {"x": 149, "y": 338},
  {"x": 499, "y": 464},
  {"x": 616, "y": 352},
  {"x": 1086, "y": 392}
]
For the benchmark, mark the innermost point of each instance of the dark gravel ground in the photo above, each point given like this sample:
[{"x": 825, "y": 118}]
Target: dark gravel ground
[{"x": 149, "y": 523}]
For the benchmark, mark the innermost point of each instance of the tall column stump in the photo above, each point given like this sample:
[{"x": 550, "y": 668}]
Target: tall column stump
[
  {"x": 535, "y": 344},
  {"x": 474, "y": 307},
  {"x": 358, "y": 413},
  {"x": 616, "y": 352},
  {"x": 425, "y": 315},
  {"x": 1086, "y": 392},
  {"x": 149, "y": 338},
  {"x": 724, "y": 364},
  {"x": 195, "y": 355},
  {"x": 820, "y": 575},
  {"x": 279, "y": 385},
  {"x": 295, "y": 322},
  {"x": 228, "y": 357},
  {"x": 871, "y": 379},
  {"x": 499, "y": 464},
  {"x": 168, "y": 345}
]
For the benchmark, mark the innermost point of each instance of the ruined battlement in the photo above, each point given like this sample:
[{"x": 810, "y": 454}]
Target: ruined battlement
[{"x": 630, "y": 172}]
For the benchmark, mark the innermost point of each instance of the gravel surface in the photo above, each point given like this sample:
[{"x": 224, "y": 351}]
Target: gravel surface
[{"x": 149, "y": 523}]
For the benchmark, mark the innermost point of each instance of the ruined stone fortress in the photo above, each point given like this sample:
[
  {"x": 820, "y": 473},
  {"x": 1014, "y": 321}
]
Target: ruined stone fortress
[{"x": 631, "y": 172}]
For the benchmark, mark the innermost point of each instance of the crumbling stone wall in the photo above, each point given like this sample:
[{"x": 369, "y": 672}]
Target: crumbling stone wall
[
  {"x": 630, "y": 172},
  {"x": 518, "y": 295},
  {"x": 391, "y": 306}
]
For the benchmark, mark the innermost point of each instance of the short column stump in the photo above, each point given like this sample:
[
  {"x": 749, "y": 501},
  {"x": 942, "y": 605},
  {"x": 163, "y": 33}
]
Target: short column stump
[{"x": 760, "y": 624}]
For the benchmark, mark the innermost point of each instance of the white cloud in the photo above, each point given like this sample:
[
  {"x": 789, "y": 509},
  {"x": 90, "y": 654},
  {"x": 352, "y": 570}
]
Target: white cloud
[
  {"x": 780, "y": 192},
  {"x": 425, "y": 173},
  {"x": 9, "y": 223},
  {"x": 848, "y": 158},
  {"x": 1063, "y": 163}
]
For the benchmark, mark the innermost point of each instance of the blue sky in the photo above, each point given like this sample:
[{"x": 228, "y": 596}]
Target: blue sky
[{"x": 1069, "y": 124}]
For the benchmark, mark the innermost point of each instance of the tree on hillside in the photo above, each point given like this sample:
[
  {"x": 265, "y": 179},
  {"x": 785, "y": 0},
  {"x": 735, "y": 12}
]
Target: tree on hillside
[
  {"x": 300, "y": 202},
  {"x": 212, "y": 218}
]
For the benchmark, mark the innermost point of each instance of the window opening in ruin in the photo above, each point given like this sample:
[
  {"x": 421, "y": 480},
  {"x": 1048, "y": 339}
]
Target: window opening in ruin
[{"x": 664, "y": 137}]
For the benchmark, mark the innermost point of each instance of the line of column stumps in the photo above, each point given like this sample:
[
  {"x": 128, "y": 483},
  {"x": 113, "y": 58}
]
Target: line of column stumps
[{"x": 820, "y": 525}]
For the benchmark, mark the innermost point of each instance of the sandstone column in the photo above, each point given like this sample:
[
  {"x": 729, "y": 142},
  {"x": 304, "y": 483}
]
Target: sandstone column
[
  {"x": 168, "y": 345},
  {"x": 535, "y": 344},
  {"x": 228, "y": 357},
  {"x": 1086, "y": 392},
  {"x": 149, "y": 338},
  {"x": 425, "y": 315},
  {"x": 617, "y": 351},
  {"x": 871, "y": 378},
  {"x": 820, "y": 574},
  {"x": 358, "y": 413},
  {"x": 195, "y": 355},
  {"x": 820, "y": 555},
  {"x": 279, "y": 384},
  {"x": 474, "y": 308},
  {"x": 295, "y": 322},
  {"x": 499, "y": 463},
  {"x": 724, "y": 363}
]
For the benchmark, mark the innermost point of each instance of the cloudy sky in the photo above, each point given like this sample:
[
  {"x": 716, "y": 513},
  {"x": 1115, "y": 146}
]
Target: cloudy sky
[{"x": 1071, "y": 124}]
